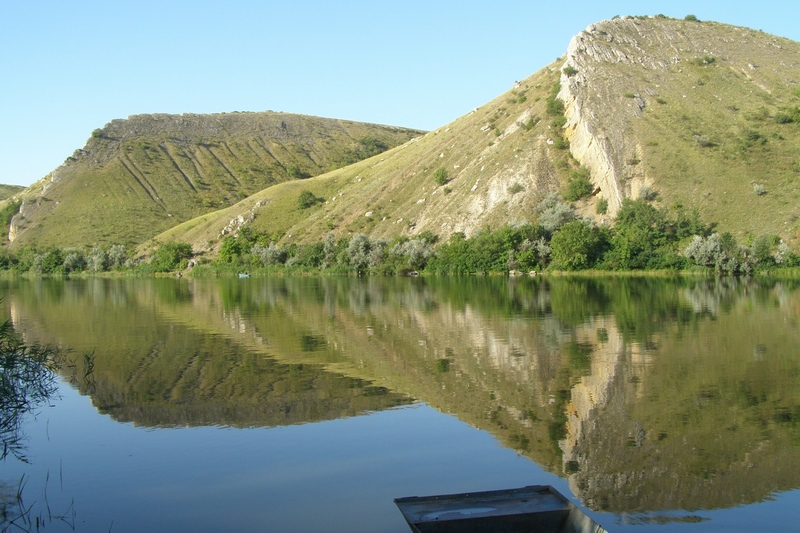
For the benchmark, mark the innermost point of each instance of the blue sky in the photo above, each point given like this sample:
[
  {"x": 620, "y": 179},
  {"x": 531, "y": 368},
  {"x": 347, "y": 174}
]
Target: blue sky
[{"x": 69, "y": 67}]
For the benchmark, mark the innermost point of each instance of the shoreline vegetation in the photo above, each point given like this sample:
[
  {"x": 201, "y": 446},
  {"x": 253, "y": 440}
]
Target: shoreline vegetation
[{"x": 643, "y": 239}]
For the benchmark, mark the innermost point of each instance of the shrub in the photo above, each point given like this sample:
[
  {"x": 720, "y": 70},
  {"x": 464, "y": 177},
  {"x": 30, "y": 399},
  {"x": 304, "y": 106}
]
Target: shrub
[
  {"x": 569, "y": 70},
  {"x": 553, "y": 213},
  {"x": 49, "y": 263},
  {"x": 74, "y": 261},
  {"x": 530, "y": 123},
  {"x": 307, "y": 199},
  {"x": 440, "y": 176},
  {"x": 117, "y": 256},
  {"x": 629, "y": 95},
  {"x": 579, "y": 185},
  {"x": 97, "y": 260},
  {"x": 691, "y": 18},
  {"x": 515, "y": 187},
  {"x": 269, "y": 255},
  {"x": 170, "y": 256},
  {"x": 555, "y": 106},
  {"x": 759, "y": 189},
  {"x": 721, "y": 253},
  {"x": 576, "y": 245},
  {"x": 415, "y": 253},
  {"x": 704, "y": 60},
  {"x": 558, "y": 122},
  {"x": 703, "y": 141},
  {"x": 647, "y": 193},
  {"x": 364, "y": 252},
  {"x": 782, "y": 118},
  {"x": 230, "y": 250},
  {"x": 602, "y": 206}
]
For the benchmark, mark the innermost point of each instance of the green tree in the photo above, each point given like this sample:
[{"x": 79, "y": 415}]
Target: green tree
[
  {"x": 230, "y": 250},
  {"x": 170, "y": 256},
  {"x": 577, "y": 246},
  {"x": 640, "y": 233}
]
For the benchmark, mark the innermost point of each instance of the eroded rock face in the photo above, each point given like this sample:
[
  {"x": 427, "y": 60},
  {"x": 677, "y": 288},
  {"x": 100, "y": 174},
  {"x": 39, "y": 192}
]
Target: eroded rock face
[
  {"x": 616, "y": 69},
  {"x": 598, "y": 107}
]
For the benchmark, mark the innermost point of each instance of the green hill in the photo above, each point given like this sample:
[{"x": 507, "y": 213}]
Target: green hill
[
  {"x": 697, "y": 114},
  {"x": 7, "y": 191},
  {"x": 140, "y": 176}
]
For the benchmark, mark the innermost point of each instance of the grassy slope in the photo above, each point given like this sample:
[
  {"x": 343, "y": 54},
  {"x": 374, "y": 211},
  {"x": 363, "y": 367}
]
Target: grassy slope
[
  {"x": 138, "y": 177},
  {"x": 485, "y": 153},
  {"x": 7, "y": 191},
  {"x": 709, "y": 81},
  {"x": 725, "y": 101}
]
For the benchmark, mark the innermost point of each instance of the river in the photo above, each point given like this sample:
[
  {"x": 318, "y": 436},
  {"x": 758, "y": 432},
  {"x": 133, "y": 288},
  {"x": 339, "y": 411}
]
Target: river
[{"x": 308, "y": 404}]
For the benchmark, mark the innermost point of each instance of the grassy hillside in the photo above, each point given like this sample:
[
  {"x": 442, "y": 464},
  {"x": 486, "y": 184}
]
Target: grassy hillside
[
  {"x": 138, "y": 177},
  {"x": 500, "y": 160},
  {"x": 7, "y": 191},
  {"x": 703, "y": 114},
  {"x": 697, "y": 114}
]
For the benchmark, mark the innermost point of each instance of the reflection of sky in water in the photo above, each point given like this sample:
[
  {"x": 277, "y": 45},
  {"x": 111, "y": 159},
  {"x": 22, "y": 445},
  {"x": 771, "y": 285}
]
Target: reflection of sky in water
[{"x": 339, "y": 475}]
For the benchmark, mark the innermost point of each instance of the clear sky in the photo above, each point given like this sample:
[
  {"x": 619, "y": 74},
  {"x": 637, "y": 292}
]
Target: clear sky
[{"x": 70, "y": 66}]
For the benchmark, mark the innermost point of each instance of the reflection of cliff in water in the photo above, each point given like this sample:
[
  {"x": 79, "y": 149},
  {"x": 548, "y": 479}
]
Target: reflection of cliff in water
[
  {"x": 704, "y": 416},
  {"x": 648, "y": 394}
]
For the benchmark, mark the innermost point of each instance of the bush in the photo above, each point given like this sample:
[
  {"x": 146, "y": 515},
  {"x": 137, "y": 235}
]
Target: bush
[
  {"x": 170, "y": 256},
  {"x": 117, "y": 256},
  {"x": 230, "y": 250},
  {"x": 515, "y": 187},
  {"x": 553, "y": 213},
  {"x": 307, "y": 199},
  {"x": 555, "y": 106},
  {"x": 691, "y": 18},
  {"x": 602, "y": 206},
  {"x": 97, "y": 261},
  {"x": 49, "y": 263},
  {"x": 269, "y": 255},
  {"x": 415, "y": 253},
  {"x": 579, "y": 185},
  {"x": 576, "y": 246},
  {"x": 647, "y": 193},
  {"x": 703, "y": 141},
  {"x": 720, "y": 252},
  {"x": 74, "y": 261},
  {"x": 440, "y": 176},
  {"x": 569, "y": 70}
]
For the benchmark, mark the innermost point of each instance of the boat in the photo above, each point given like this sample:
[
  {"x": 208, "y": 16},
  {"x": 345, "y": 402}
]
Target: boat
[
  {"x": 536, "y": 508},
  {"x": 244, "y": 275}
]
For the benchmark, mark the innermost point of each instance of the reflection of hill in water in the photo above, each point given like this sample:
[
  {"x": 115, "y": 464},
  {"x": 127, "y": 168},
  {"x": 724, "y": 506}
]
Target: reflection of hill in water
[
  {"x": 159, "y": 373},
  {"x": 647, "y": 394}
]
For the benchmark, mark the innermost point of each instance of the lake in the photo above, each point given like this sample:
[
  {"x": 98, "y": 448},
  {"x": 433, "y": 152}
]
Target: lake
[{"x": 308, "y": 404}]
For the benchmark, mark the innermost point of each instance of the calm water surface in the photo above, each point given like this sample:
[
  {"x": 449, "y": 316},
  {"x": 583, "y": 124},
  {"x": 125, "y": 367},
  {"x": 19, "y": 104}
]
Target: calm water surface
[{"x": 309, "y": 404}]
